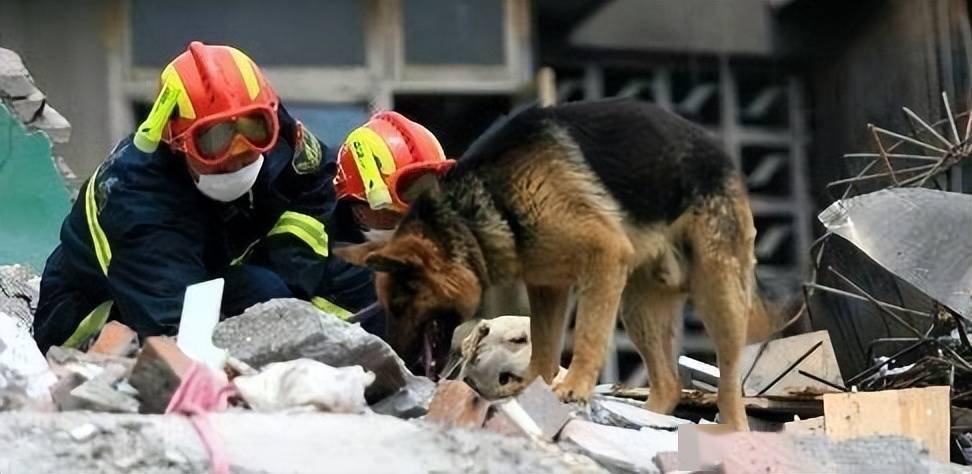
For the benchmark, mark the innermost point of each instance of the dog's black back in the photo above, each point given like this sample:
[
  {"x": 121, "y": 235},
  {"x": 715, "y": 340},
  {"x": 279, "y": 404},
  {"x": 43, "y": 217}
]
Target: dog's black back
[{"x": 654, "y": 163}]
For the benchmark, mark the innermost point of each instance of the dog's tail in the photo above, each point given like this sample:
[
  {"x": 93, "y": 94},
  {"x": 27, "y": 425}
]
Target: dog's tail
[{"x": 776, "y": 316}]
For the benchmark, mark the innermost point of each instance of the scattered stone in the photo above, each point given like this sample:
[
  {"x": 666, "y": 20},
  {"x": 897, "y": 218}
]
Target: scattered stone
[
  {"x": 288, "y": 329},
  {"x": 667, "y": 462},
  {"x": 84, "y": 432},
  {"x": 19, "y": 291},
  {"x": 115, "y": 339},
  {"x": 305, "y": 383},
  {"x": 158, "y": 372},
  {"x": 456, "y": 405},
  {"x": 620, "y": 412},
  {"x": 544, "y": 408},
  {"x": 65, "y": 359},
  {"x": 619, "y": 449},
  {"x": 411, "y": 401},
  {"x": 97, "y": 395}
]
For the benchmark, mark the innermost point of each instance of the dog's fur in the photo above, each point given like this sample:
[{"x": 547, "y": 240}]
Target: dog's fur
[{"x": 630, "y": 206}]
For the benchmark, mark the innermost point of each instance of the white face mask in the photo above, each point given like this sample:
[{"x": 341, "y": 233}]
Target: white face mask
[{"x": 228, "y": 187}]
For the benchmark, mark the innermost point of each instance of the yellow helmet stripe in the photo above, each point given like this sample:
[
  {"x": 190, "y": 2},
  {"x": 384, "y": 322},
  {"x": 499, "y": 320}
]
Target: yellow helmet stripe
[
  {"x": 373, "y": 159},
  {"x": 246, "y": 70}
]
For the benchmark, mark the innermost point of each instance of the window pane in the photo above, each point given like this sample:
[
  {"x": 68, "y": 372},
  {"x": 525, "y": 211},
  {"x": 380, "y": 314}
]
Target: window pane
[
  {"x": 330, "y": 123},
  {"x": 282, "y": 33},
  {"x": 453, "y": 32}
]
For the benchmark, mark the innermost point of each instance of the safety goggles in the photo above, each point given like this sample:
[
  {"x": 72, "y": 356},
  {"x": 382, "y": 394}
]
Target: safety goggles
[{"x": 208, "y": 142}]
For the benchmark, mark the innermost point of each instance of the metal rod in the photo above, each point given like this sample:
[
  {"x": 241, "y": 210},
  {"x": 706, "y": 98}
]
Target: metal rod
[
  {"x": 859, "y": 297},
  {"x": 868, "y": 371},
  {"x": 884, "y": 156},
  {"x": 877, "y": 303},
  {"x": 879, "y": 175},
  {"x": 892, "y": 155},
  {"x": 907, "y": 139},
  {"x": 951, "y": 119},
  {"x": 821, "y": 380},
  {"x": 790, "y": 368},
  {"x": 928, "y": 127}
]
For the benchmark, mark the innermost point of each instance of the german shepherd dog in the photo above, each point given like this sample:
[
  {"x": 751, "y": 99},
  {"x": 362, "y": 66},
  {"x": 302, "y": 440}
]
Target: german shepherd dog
[{"x": 630, "y": 206}]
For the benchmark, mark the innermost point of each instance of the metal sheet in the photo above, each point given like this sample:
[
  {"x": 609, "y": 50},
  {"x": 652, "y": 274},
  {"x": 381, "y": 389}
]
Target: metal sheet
[{"x": 920, "y": 235}]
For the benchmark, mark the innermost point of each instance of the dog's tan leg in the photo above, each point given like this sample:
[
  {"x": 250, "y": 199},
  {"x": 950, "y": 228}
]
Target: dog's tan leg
[
  {"x": 598, "y": 298},
  {"x": 548, "y": 308},
  {"x": 721, "y": 284},
  {"x": 648, "y": 312}
]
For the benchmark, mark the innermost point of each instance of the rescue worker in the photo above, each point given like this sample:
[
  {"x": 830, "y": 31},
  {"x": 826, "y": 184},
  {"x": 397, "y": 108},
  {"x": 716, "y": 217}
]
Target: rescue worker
[{"x": 218, "y": 182}]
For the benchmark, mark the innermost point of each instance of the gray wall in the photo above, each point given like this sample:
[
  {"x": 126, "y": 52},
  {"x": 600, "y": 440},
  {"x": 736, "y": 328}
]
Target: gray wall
[{"x": 65, "y": 46}]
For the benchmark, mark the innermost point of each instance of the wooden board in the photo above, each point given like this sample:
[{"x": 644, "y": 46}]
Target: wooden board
[
  {"x": 780, "y": 354},
  {"x": 812, "y": 426},
  {"x": 918, "y": 413},
  {"x": 805, "y": 407}
]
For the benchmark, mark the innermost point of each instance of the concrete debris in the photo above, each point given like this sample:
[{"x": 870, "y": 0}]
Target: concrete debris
[
  {"x": 25, "y": 377},
  {"x": 158, "y": 371},
  {"x": 543, "y": 408},
  {"x": 254, "y": 442},
  {"x": 288, "y": 329},
  {"x": 115, "y": 339},
  {"x": 305, "y": 383},
  {"x": 494, "y": 352},
  {"x": 411, "y": 401},
  {"x": 19, "y": 292},
  {"x": 619, "y": 449},
  {"x": 778, "y": 367},
  {"x": 84, "y": 432},
  {"x": 456, "y": 405},
  {"x": 99, "y": 395},
  {"x": 18, "y": 93},
  {"x": 623, "y": 413}
]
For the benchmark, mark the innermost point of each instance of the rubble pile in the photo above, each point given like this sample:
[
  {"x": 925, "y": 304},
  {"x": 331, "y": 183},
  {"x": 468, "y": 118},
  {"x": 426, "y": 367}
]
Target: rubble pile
[{"x": 301, "y": 390}]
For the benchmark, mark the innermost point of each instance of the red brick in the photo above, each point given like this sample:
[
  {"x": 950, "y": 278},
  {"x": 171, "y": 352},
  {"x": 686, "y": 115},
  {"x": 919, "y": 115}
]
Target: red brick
[
  {"x": 158, "y": 372},
  {"x": 115, "y": 339},
  {"x": 455, "y": 404}
]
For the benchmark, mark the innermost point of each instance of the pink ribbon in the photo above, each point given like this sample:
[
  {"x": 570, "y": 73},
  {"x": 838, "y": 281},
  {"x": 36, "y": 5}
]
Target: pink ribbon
[{"x": 200, "y": 393}]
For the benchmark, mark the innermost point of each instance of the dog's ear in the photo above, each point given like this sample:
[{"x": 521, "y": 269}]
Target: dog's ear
[
  {"x": 388, "y": 264},
  {"x": 357, "y": 254}
]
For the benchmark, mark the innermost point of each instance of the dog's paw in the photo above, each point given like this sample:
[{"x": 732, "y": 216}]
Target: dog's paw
[{"x": 569, "y": 392}]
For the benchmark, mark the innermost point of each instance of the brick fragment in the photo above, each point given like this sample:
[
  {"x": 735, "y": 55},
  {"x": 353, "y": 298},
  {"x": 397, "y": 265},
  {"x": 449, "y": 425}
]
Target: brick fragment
[
  {"x": 115, "y": 339},
  {"x": 158, "y": 372},
  {"x": 456, "y": 405}
]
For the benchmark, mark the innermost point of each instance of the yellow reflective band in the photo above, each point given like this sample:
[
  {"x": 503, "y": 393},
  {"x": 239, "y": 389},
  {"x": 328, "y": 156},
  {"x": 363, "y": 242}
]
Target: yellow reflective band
[
  {"x": 305, "y": 228},
  {"x": 90, "y": 325},
  {"x": 98, "y": 239},
  {"x": 331, "y": 308},
  {"x": 149, "y": 133},
  {"x": 246, "y": 70},
  {"x": 373, "y": 159}
]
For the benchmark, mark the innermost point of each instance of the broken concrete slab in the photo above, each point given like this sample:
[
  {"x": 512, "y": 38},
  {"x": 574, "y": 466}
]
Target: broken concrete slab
[
  {"x": 15, "y": 81},
  {"x": 300, "y": 443},
  {"x": 456, "y": 405},
  {"x": 25, "y": 378},
  {"x": 115, "y": 339},
  {"x": 543, "y": 406},
  {"x": 305, "y": 383},
  {"x": 19, "y": 292},
  {"x": 921, "y": 414},
  {"x": 619, "y": 449},
  {"x": 411, "y": 401},
  {"x": 613, "y": 411},
  {"x": 98, "y": 395},
  {"x": 288, "y": 329},
  {"x": 158, "y": 372},
  {"x": 769, "y": 369}
]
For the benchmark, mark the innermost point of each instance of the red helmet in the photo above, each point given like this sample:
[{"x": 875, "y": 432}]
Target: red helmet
[
  {"x": 224, "y": 105},
  {"x": 389, "y": 153}
]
